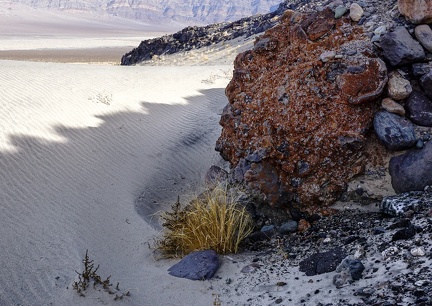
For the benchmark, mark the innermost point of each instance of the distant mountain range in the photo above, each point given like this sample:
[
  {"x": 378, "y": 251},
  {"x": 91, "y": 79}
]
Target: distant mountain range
[{"x": 159, "y": 11}]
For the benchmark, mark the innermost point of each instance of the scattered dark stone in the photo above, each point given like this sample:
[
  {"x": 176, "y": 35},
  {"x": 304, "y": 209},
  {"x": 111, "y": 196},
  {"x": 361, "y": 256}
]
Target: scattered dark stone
[
  {"x": 200, "y": 265},
  {"x": 267, "y": 228},
  {"x": 419, "y": 108},
  {"x": 395, "y": 132},
  {"x": 418, "y": 293},
  {"x": 367, "y": 292},
  {"x": 250, "y": 268},
  {"x": 426, "y": 84},
  {"x": 278, "y": 301},
  {"x": 405, "y": 233},
  {"x": 260, "y": 236},
  {"x": 420, "y": 69},
  {"x": 288, "y": 227},
  {"x": 320, "y": 263},
  {"x": 400, "y": 48},
  {"x": 351, "y": 239},
  {"x": 354, "y": 266},
  {"x": 400, "y": 224},
  {"x": 412, "y": 171},
  {"x": 297, "y": 214},
  {"x": 378, "y": 231},
  {"x": 313, "y": 218}
]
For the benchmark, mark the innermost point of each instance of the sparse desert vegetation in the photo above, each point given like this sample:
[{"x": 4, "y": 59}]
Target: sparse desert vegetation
[
  {"x": 213, "y": 221},
  {"x": 89, "y": 276}
]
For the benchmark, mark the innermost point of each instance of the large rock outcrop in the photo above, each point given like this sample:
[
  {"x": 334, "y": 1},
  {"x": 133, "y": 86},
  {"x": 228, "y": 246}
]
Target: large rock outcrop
[
  {"x": 300, "y": 106},
  {"x": 195, "y": 37}
]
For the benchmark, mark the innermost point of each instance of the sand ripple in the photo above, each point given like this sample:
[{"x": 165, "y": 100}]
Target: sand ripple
[{"x": 79, "y": 145}]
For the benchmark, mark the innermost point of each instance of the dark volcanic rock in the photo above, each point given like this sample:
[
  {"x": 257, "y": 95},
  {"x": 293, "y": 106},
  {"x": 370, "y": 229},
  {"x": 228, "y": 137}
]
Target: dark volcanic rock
[
  {"x": 426, "y": 83},
  {"x": 198, "y": 265},
  {"x": 295, "y": 127},
  {"x": 399, "y": 204},
  {"x": 395, "y": 132},
  {"x": 354, "y": 267},
  {"x": 420, "y": 69},
  {"x": 320, "y": 263},
  {"x": 419, "y": 108},
  {"x": 194, "y": 37},
  {"x": 412, "y": 171},
  {"x": 405, "y": 233},
  {"x": 400, "y": 48}
]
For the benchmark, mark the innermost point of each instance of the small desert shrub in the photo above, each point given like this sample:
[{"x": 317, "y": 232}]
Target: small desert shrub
[
  {"x": 213, "y": 221},
  {"x": 89, "y": 275}
]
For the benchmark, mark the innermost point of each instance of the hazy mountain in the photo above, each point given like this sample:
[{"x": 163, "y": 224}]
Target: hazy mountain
[{"x": 155, "y": 11}]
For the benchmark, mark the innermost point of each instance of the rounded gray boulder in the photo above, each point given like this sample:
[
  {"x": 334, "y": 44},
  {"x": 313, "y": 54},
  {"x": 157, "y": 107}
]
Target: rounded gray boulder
[
  {"x": 412, "y": 171},
  {"x": 395, "y": 132}
]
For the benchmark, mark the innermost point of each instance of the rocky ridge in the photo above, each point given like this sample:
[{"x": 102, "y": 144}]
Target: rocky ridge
[
  {"x": 195, "y": 37},
  {"x": 193, "y": 12},
  {"x": 377, "y": 17}
]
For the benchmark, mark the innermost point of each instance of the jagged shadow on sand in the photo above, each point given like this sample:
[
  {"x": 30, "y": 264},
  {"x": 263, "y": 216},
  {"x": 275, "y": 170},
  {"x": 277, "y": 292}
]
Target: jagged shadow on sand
[{"x": 60, "y": 197}]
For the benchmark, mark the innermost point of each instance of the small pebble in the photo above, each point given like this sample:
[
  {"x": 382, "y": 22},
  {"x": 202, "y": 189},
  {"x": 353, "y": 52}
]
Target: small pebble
[
  {"x": 418, "y": 252},
  {"x": 340, "y": 11}
]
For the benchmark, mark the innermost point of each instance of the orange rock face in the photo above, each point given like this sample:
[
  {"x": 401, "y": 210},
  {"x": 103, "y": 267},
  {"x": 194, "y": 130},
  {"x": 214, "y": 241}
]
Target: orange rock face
[{"x": 295, "y": 125}]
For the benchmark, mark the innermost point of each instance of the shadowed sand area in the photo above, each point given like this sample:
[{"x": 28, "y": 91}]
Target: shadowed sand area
[{"x": 79, "y": 145}]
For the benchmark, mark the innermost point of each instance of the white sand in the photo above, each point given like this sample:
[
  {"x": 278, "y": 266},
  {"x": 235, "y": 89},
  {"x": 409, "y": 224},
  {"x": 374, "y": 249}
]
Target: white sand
[
  {"x": 79, "y": 145},
  {"x": 72, "y": 168}
]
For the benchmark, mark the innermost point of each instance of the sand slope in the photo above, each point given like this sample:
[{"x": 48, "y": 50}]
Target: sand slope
[{"x": 79, "y": 144}]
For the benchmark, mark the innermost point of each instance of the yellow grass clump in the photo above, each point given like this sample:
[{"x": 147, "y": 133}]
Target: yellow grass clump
[{"x": 212, "y": 222}]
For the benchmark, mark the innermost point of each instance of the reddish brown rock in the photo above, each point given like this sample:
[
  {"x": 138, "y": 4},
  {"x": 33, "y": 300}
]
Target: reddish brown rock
[
  {"x": 416, "y": 11},
  {"x": 295, "y": 127},
  {"x": 303, "y": 225}
]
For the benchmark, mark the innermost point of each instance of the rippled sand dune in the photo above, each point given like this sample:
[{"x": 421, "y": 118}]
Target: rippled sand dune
[{"x": 89, "y": 151}]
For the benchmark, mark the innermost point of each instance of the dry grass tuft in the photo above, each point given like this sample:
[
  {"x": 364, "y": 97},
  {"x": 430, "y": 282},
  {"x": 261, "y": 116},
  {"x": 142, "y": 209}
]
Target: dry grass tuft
[{"x": 212, "y": 222}]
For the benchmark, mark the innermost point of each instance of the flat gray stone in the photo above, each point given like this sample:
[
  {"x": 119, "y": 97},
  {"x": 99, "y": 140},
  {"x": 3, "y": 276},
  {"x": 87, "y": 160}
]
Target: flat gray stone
[
  {"x": 395, "y": 132},
  {"x": 199, "y": 265}
]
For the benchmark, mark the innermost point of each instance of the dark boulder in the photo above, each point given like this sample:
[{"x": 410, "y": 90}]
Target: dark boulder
[
  {"x": 399, "y": 204},
  {"x": 412, "y": 171},
  {"x": 400, "y": 48},
  {"x": 198, "y": 265},
  {"x": 420, "y": 69},
  {"x": 426, "y": 83},
  {"x": 395, "y": 132},
  {"x": 419, "y": 108},
  {"x": 405, "y": 233},
  {"x": 320, "y": 263}
]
